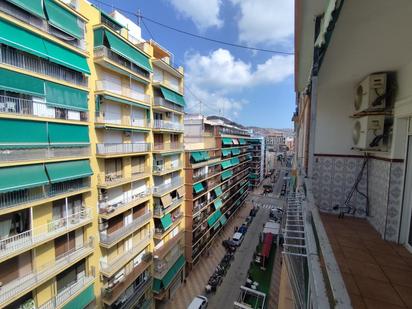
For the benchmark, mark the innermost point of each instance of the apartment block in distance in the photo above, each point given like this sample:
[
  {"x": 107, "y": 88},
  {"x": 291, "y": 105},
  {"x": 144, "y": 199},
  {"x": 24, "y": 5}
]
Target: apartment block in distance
[
  {"x": 91, "y": 159},
  {"x": 256, "y": 146},
  {"x": 216, "y": 179}
]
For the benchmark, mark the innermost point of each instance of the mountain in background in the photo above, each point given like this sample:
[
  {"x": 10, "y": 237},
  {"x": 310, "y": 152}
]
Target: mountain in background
[{"x": 270, "y": 131}]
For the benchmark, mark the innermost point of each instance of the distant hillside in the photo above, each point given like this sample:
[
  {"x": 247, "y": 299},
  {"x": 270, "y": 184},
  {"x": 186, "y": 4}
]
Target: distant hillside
[{"x": 269, "y": 131}]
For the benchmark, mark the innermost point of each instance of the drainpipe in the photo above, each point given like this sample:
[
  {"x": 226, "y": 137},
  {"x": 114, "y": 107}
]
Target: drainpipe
[{"x": 313, "y": 108}]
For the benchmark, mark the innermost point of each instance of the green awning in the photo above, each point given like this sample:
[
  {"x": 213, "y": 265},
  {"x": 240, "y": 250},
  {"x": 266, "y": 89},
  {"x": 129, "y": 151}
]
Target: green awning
[
  {"x": 107, "y": 16},
  {"x": 159, "y": 284},
  {"x": 226, "y": 164},
  {"x": 119, "y": 100},
  {"x": 205, "y": 155},
  {"x": 32, "y": 6},
  {"x": 22, "y": 134},
  {"x": 69, "y": 170},
  {"x": 218, "y": 191},
  {"x": 216, "y": 226},
  {"x": 198, "y": 187},
  {"x": 63, "y": 19},
  {"x": 242, "y": 141},
  {"x": 21, "y": 83},
  {"x": 166, "y": 221},
  {"x": 22, "y": 177},
  {"x": 226, "y": 152},
  {"x": 234, "y": 161},
  {"x": 66, "y": 97},
  {"x": 127, "y": 51},
  {"x": 66, "y": 135},
  {"x": 82, "y": 300},
  {"x": 217, "y": 203},
  {"x": 197, "y": 156},
  {"x": 223, "y": 220},
  {"x": 253, "y": 176},
  {"x": 235, "y": 151},
  {"x": 226, "y": 174},
  {"x": 65, "y": 57},
  {"x": 172, "y": 96},
  {"x": 226, "y": 141},
  {"x": 213, "y": 218}
]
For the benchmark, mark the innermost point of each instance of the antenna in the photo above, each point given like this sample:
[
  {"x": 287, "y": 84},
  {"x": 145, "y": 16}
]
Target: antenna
[{"x": 139, "y": 17}]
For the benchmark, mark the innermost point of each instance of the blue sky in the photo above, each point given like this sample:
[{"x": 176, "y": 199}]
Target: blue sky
[{"x": 253, "y": 88}]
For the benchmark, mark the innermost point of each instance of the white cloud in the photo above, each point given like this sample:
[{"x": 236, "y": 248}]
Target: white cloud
[
  {"x": 215, "y": 77},
  {"x": 204, "y": 14},
  {"x": 268, "y": 22}
]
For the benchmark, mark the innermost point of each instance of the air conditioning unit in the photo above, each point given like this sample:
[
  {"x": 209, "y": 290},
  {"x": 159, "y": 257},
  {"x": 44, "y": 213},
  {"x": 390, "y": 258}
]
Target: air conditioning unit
[
  {"x": 368, "y": 133},
  {"x": 371, "y": 93}
]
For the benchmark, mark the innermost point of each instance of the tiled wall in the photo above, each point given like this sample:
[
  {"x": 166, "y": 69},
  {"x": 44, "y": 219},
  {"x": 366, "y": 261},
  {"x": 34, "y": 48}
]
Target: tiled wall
[{"x": 334, "y": 176}]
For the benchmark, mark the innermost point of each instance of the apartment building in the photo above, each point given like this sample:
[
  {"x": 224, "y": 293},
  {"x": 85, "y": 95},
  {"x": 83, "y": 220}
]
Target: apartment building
[
  {"x": 216, "y": 179},
  {"x": 256, "y": 147},
  {"x": 91, "y": 159},
  {"x": 353, "y": 154},
  {"x": 274, "y": 141}
]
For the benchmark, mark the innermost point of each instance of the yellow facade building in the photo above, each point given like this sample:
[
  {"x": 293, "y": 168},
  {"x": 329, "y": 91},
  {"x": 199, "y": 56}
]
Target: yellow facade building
[{"x": 91, "y": 152}]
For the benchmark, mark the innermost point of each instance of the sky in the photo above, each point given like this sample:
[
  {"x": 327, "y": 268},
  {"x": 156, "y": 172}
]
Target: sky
[{"x": 253, "y": 88}]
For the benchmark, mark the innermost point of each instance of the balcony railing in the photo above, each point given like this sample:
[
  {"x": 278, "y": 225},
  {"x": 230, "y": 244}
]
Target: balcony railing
[
  {"x": 119, "y": 119},
  {"x": 23, "y": 285},
  {"x": 159, "y": 101},
  {"x": 167, "y": 83},
  {"x": 22, "y": 60},
  {"x": 103, "y": 51},
  {"x": 160, "y": 211},
  {"x": 106, "y": 85},
  {"x": 112, "y": 238},
  {"x": 163, "y": 188},
  {"x": 161, "y": 266},
  {"x": 127, "y": 199},
  {"x": 138, "y": 293},
  {"x": 121, "y": 148},
  {"x": 169, "y": 125},
  {"x": 43, "y": 233},
  {"x": 163, "y": 250},
  {"x": 31, "y": 108},
  {"x": 114, "y": 265},
  {"x": 21, "y": 197},
  {"x": 164, "y": 168},
  {"x": 176, "y": 216},
  {"x": 168, "y": 146},
  {"x": 118, "y": 178},
  {"x": 67, "y": 293}
]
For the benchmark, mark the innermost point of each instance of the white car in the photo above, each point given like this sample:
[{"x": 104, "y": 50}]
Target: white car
[
  {"x": 237, "y": 238},
  {"x": 199, "y": 302}
]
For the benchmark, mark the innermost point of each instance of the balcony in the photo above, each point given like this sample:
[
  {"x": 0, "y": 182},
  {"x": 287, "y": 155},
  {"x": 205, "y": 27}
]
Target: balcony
[
  {"x": 161, "y": 252},
  {"x": 160, "y": 232},
  {"x": 121, "y": 148},
  {"x": 128, "y": 201},
  {"x": 25, "y": 61},
  {"x": 167, "y": 125},
  {"x": 104, "y": 52},
  {"x": 162, "y": 189},
  {"x": 161, "y": 266},
  {"x": 110, "y": 240},
  {"x": 23, "y": 285},
  {"x": 160, "y": 211},
  {"x": 110, "y": 268},
  {"x": 68, "y": 293},
  {"x": 108, "y": 86},
  {"x": 120, "y": 120},
  {"x": 30, "y": 108},
  {"x": 110, "y": 295},
  {"x": 139, "y": 291},
  {"x": 18, "y": 243},
  {"x": 160, "y": 102},
  {"x": 115, "y": 179},
  {"x": 168, "y": 147},
  {"x": 166, "y": 168},
  {"x": 28, "y": 196},
  {"x": 168, "y": 84}
]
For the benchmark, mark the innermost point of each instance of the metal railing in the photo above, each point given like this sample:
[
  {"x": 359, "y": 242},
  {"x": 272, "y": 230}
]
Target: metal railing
[
  {"x": 43, "y": 273},
  {"x": 23, "y": 60},
  {"x": 106, "y": 85},
  {"x": 120, "y": 119},
  {"x": 167, "y": 83},
  {"x": 161, "y": 266},
  {"x": 103, "y": 51},
  {"x": 67, "y": 293},
  {"x": 166, "y": 168},
  {"x": 31, "y": 108},
  {"x": 127, "y": 198},
  {"x": 117, "y": 263},
  {"x": 43, "y": 233},
  {"x": 177, "y": 215},
  {"x": 119, "y": 148},
  {"x": 118, "y": 177},
  {"x": 138, "y": 292},
  {"x": 167, "y": 146},
  {"x": 127, "y": 229},
  {"x": 169, "y": 125},
  {"x": 161, "y": 211},
  {"x": 160, "y": 189},
  {"x": 20, "y": 197},
  {"x": 159, "y": 101}
]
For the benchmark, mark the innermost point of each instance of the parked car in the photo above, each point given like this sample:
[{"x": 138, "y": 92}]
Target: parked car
[
  {"x": 228, "y": 244},
  {"x": 243, "y": 229},
  {"x": 248, "y": 220},
  {"x": 199, "y": 302},
  {"x": 237, "y": 238}
]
